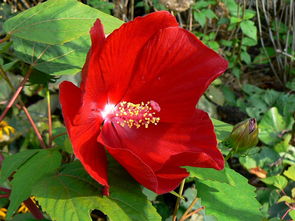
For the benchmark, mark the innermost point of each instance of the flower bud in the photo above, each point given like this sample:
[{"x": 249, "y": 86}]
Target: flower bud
[{"x": 244, "y": 135}]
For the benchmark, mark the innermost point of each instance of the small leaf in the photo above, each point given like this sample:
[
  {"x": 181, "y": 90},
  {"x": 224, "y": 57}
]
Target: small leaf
[
  {"x": 248, "y": 28},
  {"x": 290, "y": 173},
  {"x": 40, "y": 165},
  {"x": 292, "y": 214},
  {"x": 209, "y": 13},
  {"x": 249, "y": 14},
  {"x": 62, "y": 140},
  {"x": 271, "y": 126},
  {"x": 234, "y": 20},
  {"x": 200, "y": 17},
  {"x": 277, "y": 181},
  {"x": 245, "y": 57},
  {"x": 249, "y": 42},
  {"x": 286, "y": 199},
  {"x": 232, "y": 6},
  {"x": 230, "y": 202},
  {"x": 203, "y": 4}
]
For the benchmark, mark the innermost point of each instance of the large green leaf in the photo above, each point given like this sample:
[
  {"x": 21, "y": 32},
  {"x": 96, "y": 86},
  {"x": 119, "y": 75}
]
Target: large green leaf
[
  {"x": 15, "y": 161},
  {"x": 54, "y": 36},
  {"x": 210, "y": 174},
  {"x": 53, "y": 59},
  {"x": 230, "y": 202},
  {"x": 57, "y": 22},
  {"x": 73, "y": 191},
  {"x": 38, "y": 166}
]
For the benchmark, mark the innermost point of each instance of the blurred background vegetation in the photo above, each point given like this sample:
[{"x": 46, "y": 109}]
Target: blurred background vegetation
[{"x": 255, "y": 36}]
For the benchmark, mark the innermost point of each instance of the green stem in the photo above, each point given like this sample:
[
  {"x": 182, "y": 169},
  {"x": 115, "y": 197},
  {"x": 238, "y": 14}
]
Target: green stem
[
  {"x": 178, "y": 200},
  {"x": 229, "y": 155},
  {"x": 49, "y": 117}
]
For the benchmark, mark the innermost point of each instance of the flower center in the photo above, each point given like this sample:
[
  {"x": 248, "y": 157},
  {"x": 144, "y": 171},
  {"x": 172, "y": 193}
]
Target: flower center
[{"x": 129, "y": 114}]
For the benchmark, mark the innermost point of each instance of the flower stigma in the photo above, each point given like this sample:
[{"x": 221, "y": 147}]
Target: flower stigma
[{"x": 132, "y": 115}]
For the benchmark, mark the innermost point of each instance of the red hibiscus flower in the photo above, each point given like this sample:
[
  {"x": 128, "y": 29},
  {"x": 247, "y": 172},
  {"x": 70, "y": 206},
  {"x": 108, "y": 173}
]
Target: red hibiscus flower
[{"x": 137, "y": 99}]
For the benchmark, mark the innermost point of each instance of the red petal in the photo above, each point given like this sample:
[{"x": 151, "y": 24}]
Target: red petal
[
  {"x": 97, "y": 41},
  {"x": 162, "y": 149},
  {"x": 120, "y": 51},
  {"x": 83, "y": 136},
  {"x": 174, "y": 69},
  {"x": 70, "y": 98}
]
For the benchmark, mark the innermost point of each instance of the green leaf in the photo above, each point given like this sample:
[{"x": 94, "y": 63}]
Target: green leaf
[
  {"x": 292, "y": 214},
  {"x": 14, "y": 162},
  {"x": 103, "y": 6},
  {"x": 213, "y": 45},
  {"x": 203, "y": 4},
  {"x": 39, "y": 109},
  {"x": 249, "y": 42},
  {"x": 270, "y": 126},
  {"x": 249, "y": 14},
  {"x": 62, "y": 140},
  {"x": 57, "y": 22},
  {"x": 251, "y": 89},
  {"x": 290, "y": 173},
  {"x": 248, "y": 28},
  {"x": 229, "y": 95},
  {"x": 68, "y": 58},
  {"x": 245, "y": 57},
  {"x": 226, "y": 43},
  {"x": 209, "y": 13},
  {"x": 277, "y": 181},
  {"x": 222, "y": 129},
  {"x": 284, "y": 145},
  {"x": 73, "y": 191},
  {"x": 234, "y": 20},
  {"x": 261, "y": 157},
  {"x": 26, "y": 217},
  {"x": 200, "y": 18},
  {"x": 232, "y": 6},
  {"x": 210, "y": 174},
  {"x": 39, "y": 165},
  {"x": 230, "y": 202},
  {"x": 286, "y": 199}
]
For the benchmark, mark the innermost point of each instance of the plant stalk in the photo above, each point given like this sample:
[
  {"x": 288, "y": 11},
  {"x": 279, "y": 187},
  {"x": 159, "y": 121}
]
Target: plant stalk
[
  {"x": 16, "y": 94},
  {"x": 23, "y": 107},
  {"x": 178, "y": 200},
  {"x": 34, "y": 209}
]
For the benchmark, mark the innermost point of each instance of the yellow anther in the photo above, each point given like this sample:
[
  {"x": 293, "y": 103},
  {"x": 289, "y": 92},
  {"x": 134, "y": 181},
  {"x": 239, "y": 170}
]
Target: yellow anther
[{"x": 137, "y": 115}]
